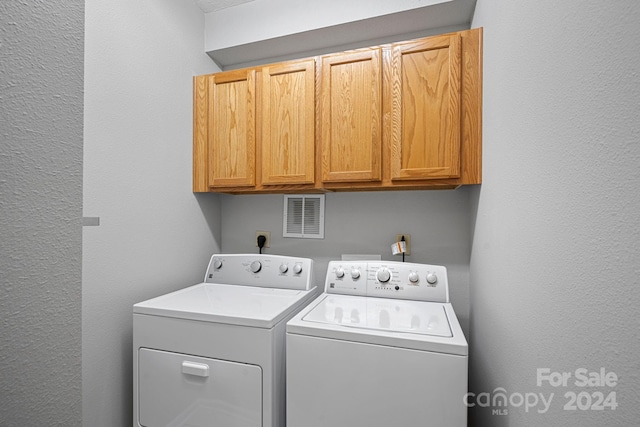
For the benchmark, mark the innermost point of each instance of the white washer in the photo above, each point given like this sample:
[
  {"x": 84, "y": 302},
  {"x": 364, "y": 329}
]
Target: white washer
[
  {"x": 213, "y": 354},
  {"x": 380, "y": 347}
]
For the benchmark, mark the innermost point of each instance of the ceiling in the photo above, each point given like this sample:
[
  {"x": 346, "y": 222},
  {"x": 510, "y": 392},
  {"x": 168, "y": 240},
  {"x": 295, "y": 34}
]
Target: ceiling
[{"x": 213, "y": 5}]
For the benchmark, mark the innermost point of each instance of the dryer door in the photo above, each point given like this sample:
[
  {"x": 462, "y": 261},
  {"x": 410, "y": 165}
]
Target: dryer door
[{"x": 181, "y": 390}]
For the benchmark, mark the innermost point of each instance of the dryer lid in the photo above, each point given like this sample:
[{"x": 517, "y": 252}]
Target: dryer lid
[
  {"x": 382, "y": 314},
  {"x": 219, "y": 303}
]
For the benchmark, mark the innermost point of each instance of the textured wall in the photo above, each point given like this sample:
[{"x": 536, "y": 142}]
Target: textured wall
[
  {"x": 555, "y": 257},
  {"x": 154, "y": 236},
  {"x": 41, "y": 79}
]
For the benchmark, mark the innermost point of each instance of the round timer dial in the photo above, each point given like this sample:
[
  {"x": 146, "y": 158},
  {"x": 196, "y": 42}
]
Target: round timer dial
[
  {"x": 383, "y": 275},
  {"x": 256, "y": 266}
]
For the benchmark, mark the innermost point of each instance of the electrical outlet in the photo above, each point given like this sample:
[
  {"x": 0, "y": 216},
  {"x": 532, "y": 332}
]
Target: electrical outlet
[
  {"x": 266, "y": 234},
  {"x": 407, "y": 239}
]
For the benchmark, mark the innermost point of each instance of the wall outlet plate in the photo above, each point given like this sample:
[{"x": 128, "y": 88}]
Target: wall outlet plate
[
  {"x": 266, "y": 234},
  {"x": 407, "y": 239}
]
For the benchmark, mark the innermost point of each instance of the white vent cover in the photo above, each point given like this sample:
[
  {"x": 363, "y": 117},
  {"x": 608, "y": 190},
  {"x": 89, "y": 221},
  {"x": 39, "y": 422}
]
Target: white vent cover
[{"x": 303, "y": 216}]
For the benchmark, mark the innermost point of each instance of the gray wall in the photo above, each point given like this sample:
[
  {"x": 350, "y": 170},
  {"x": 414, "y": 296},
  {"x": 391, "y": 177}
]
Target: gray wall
[
  {"x": 41, "y": 59},
  {"x": 365, "y": 223},
  {"x": 154, "y": 236},
  {"x": 556, "y": 249}
]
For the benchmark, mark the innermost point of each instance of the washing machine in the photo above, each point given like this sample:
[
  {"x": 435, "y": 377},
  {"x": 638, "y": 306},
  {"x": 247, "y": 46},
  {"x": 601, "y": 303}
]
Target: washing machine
[
  {"x": 380, "y": 347},
  {"x": 213, "y": 354}
]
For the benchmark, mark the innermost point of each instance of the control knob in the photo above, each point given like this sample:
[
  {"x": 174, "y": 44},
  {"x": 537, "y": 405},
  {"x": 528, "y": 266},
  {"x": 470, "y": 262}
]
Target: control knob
[
  {"x": 383, "y": 275},
  {"x": 256, "y": 266},
  {"x": 432, "y": 278},
  {"x": 284, "y": 268},
  {"x": 413, "y": 277},
  {"x": 297, "y": 269},
  {"x": 217, "y": 264},
  {"x": 340, "y": 273},
  {"x": 355, "y": 273}
]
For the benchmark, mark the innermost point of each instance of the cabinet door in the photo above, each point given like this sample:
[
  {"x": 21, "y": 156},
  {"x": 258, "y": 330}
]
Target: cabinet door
[
  {"x": 288, "y": 123},
  {"x": 425, "y": 108},
  {"x": 232, "y": 99},
  {"x": 351, "y": 116}
]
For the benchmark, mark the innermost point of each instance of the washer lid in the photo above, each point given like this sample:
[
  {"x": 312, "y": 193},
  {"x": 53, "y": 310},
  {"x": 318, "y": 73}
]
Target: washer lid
[
  {"x": 414, "y": 317},
  {"x": 236, "y": 305},
  {"x": 416, "y": 325}
]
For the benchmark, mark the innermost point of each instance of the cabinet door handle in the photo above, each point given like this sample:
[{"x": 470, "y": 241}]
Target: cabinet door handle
[{"x": 197, "y": 369}]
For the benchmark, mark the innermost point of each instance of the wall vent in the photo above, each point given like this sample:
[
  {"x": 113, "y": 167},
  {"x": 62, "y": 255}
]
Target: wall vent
[{"x": 303, "y": 216}]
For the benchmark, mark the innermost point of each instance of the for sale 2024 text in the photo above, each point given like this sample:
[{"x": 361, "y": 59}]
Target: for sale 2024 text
[{"x": 586, "y": 399}]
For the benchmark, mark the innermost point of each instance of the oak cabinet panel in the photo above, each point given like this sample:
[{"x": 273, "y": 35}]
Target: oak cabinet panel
[
  {"x": 232, "y": 137},
  {"x": 425, "y": 108},
  {"x": 352, "y": 116},
  {"x": 200, "y": 133},
  {"x": 288, "y": 123}
]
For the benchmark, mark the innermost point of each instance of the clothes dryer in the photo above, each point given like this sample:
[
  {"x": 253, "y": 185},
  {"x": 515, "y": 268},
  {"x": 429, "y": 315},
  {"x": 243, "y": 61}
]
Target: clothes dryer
[{"x": 213, "y": 354}]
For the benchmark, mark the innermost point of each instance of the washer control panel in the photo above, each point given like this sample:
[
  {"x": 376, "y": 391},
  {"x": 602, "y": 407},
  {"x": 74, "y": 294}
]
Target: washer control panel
[
  {"x": 267, "y": 271},
  {"x": 388, "y": 279}
]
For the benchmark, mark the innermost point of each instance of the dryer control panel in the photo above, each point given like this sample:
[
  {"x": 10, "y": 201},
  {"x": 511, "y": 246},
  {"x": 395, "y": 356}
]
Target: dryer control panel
[
  {"x": 267, "y": 271},
  {"x": 388, "y": 279}
]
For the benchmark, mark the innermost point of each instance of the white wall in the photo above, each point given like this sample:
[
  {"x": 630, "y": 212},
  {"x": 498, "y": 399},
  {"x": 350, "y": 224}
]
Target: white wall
[
  {"x": 154, "y": 234},
  {"x": 41, "y": 48},
  {"x": 556, "y": 250}
]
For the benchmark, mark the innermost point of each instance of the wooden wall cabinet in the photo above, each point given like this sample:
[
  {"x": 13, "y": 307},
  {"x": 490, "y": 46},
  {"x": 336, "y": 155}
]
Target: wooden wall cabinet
[
  {"x": 254, "y": 129},
  {"x": 403, "y": 115},
  {"x": 430, "y": 114}
]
